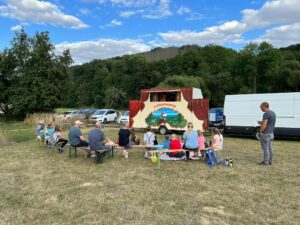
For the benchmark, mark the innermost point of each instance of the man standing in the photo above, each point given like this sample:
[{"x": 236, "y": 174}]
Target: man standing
[
  {"x": 75, "y": 136},
  {"x": 266, "y": 132},
  {"x": 97, "y": 139}
]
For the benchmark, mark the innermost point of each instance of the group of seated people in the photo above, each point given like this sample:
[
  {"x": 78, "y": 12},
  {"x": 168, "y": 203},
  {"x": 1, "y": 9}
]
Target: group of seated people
[
  {"x": 192, "y": 140},
  {"x": 50, "y": 135}
]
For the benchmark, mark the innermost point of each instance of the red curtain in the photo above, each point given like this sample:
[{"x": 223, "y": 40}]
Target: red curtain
[
  {"x": 134, "y": 107},
  {"x": 200, "y": 109},
  {"x": 187, "y": 94},
  {"x": 144, "y": 95}
]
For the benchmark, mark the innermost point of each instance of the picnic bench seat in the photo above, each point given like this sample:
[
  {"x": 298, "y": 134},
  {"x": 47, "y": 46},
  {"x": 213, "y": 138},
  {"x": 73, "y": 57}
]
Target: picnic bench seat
[
  {"x": 157, "y": 153},
  {"x": 73, "y": 148}
]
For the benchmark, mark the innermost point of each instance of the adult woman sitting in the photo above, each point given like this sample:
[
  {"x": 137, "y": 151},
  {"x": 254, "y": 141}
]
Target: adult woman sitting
[{"x": 190, "y": 139}]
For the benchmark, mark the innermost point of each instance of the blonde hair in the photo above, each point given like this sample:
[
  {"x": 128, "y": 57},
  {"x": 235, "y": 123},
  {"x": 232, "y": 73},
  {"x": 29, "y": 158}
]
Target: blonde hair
[
  {"x": 173, "y": 136},
  {"x": 216, "y": 131}
]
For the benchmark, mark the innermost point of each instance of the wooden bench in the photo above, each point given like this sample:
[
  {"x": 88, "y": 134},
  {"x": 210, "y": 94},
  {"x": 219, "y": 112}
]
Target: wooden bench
[
  {"x": 118, "y": 147},
  {"x": 73, "y": 148},
  {"x": 157, "y": 153}
]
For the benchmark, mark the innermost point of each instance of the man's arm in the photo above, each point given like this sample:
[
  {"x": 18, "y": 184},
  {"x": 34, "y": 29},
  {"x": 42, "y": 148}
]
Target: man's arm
[
  {"x": 82, "y": 138},
  {"x": 263, "y": 126}
]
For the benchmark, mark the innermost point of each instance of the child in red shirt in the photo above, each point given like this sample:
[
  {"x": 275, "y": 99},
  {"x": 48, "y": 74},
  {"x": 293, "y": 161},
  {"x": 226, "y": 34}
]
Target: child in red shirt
[{"x": 175, "y": 144}]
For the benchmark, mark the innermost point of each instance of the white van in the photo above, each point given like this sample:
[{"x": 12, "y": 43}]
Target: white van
[{"x": 242, "y": 113}]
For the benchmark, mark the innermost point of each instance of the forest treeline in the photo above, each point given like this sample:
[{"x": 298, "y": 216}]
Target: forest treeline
[
  {"x": 34, "y": 79},
  {"x": 257, "y": 68}
]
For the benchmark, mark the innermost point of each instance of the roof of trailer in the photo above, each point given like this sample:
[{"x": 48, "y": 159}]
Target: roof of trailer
[{"x": 164, "y": 89}]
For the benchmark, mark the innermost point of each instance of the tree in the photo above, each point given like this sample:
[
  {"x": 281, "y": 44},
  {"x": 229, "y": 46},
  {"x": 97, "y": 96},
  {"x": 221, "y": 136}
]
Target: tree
[
  {"x": 178, "y": 81},
  {"x": 289, "y": 78},
  {"x": 7, "y": 66},
  {"x": 269, "y": 61},
  {"x": 37, "y": 75},
  {"x": 246, "y": 68},
  {"x": 114, "y": 98}
]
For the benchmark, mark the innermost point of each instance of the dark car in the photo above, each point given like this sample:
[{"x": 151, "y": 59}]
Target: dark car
[
  {"x": 216, "y": 117},
  {"x": 87, "y": 112}
]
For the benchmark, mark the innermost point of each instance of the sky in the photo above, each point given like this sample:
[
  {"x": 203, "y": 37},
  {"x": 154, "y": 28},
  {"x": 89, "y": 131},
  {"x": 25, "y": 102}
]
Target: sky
[{"x": 100, "y": 29}]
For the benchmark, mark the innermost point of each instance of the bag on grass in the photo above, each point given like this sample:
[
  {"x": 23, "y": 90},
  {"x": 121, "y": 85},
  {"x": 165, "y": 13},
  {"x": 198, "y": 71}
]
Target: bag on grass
[
  {"x": 212, "y": 158},
  {"x": 155, "y": 141}
]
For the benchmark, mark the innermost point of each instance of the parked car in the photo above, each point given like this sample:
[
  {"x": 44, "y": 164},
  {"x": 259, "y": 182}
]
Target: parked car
[
  {"x": 104, "y": 116},
  {"x": 87, "y": 112},
  {"x": 124, "y": 117},
  {"x": 72, "y": 113},
  {"x": 215, "y": 116},
  {"x": 71, "y": 116}
]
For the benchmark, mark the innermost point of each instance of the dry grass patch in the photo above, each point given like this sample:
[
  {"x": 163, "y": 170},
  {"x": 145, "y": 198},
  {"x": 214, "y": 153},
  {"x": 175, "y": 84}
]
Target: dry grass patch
[
  {"x": 40, "y": 186},
  {"x": 3, "y": 139}
]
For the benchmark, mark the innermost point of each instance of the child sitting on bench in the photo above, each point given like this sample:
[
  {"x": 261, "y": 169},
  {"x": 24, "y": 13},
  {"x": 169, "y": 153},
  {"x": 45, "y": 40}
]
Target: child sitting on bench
[
  {"x": 175, "y": 144},
  {"x": 56, "y": 138}
]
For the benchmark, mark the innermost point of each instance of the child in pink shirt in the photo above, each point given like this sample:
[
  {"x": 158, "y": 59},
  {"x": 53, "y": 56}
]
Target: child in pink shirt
[
  {"x": 217, "y": 141},
  {"x": 201, "y": 142}
]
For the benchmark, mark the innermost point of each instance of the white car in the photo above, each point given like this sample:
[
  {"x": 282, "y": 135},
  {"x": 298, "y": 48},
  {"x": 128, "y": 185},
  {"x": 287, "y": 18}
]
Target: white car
[
  {"x": 124, "y": 117},
  {"x": 104, "y": 116}
]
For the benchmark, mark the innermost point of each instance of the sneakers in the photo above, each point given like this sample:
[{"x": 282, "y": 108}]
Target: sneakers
[
  {"x": 262, "y": 163},
  {"x": 93, "y": 156},
  {"x": 60, "y": 150}
]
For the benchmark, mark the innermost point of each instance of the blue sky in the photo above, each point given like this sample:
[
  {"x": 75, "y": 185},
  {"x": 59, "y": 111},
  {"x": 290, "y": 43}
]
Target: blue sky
[{"x": 106, "y": 28}]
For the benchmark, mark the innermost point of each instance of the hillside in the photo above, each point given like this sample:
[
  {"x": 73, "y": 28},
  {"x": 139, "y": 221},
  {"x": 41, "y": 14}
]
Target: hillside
[{"x": 215, "y": 69}]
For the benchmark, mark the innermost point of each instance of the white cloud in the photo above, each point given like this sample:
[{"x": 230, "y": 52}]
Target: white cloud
[
  {"x": 39, "y": 12},
  {"x": 101, "y": 49},
  {"x": 116, "y": 23},
  {"x": 273, "y": 12},
  {"x": 183, "y": 10},
  {"x": 195, "y": 16},
  {"x": 282, "y": 36},
  {"x": 161, "y": 11},
  {"x": 127, "y": 14},
  {"x": 150, "y": 9},
  {"x": 133, "y": 3},
  {"x": 113, "y": 23},
  {"x": 85, "y": 11},
  {"x": 191, "y": 14},
  {"x": 283, "y": 13},
  {"x": 16, "y": 28},
  {"x": 227, "y": 32}
]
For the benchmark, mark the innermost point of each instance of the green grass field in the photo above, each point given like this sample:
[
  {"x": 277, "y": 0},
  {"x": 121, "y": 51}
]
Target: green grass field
[{"x": 40, "y": 186}]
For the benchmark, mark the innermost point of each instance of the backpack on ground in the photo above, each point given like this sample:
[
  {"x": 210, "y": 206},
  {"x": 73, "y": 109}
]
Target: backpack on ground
[{"x": 212, "y": 158}]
